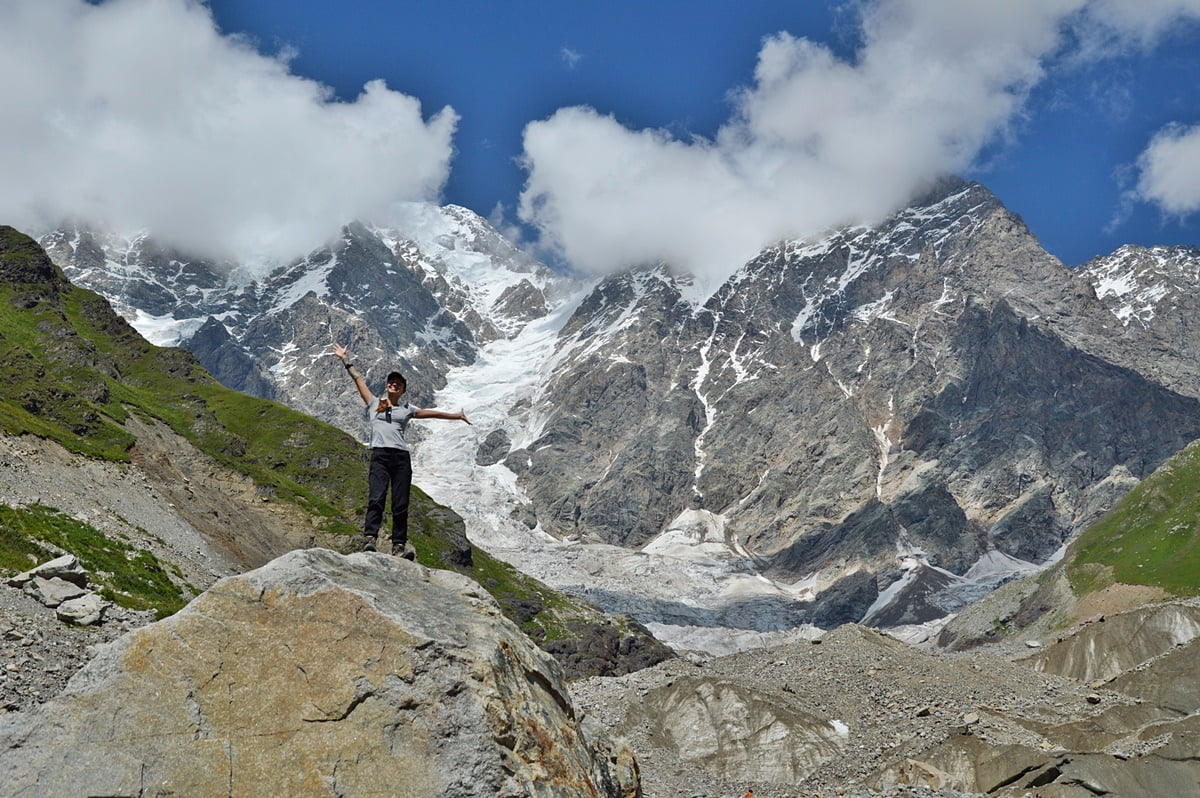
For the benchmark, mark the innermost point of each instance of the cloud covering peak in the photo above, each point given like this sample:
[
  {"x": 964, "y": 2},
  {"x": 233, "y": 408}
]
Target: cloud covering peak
[
  {"x": 140, "y": 114},
  {"x": 143, "y": 115},
  {"x": 818, "y": 140}
]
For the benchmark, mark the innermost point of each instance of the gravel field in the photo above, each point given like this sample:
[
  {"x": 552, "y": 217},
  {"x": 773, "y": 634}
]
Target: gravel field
[
  {"x": 40, "y": 652},
  {"x": 893, "y": 700}
]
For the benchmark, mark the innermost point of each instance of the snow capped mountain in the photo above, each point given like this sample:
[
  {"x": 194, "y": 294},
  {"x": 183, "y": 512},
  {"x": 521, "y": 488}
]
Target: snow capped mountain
[
  {"x": 468, "y": 264},
  {"x": 422, "y": 298},
  {"x": 1135, "y": 281},
  {"x": 165, "y": 294},
  {"x": 882, "y": 424},
  {"x": 912, "y": 381}
]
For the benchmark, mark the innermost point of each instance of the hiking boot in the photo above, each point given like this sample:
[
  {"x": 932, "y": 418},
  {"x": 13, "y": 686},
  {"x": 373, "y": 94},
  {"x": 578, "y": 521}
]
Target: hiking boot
[
  {"x": 404, "y": 550},
  {"x": 368, "y": 544}
]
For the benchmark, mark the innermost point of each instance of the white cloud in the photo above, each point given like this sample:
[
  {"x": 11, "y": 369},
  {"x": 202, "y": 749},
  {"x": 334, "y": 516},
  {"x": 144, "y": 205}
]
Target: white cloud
[
  {"x": 139, "y": 114},
  {"x": 1169, "y": 170},
  {"x": 816, "y": 141},
  {"x": 1141, "y": 21},
  {"x": 571, "y": 57}
]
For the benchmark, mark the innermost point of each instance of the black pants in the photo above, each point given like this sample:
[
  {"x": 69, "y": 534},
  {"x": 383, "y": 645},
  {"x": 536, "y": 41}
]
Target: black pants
[{"x": 390, "y": 468}]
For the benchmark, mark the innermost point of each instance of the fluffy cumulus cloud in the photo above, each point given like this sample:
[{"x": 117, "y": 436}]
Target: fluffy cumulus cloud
[
  {"x": 140, "y": 114},
  {"x": 1169, "y": 170},
  {"x": 816, "y": 141}
]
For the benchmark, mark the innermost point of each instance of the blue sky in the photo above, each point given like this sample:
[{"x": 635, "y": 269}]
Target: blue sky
[
  {"x": 613, "y": 131},
  {"x": 502, "y": 64}
]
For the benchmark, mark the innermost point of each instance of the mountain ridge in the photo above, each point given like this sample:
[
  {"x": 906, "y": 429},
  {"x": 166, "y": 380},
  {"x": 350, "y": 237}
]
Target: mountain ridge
[{"x": 822, "y": 380}]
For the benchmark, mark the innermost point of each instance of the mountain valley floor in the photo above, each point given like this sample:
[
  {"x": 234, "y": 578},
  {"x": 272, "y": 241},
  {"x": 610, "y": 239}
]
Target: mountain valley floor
[
  {"x": 886, "y": 701},
  {"x": 891, "y": 699}
]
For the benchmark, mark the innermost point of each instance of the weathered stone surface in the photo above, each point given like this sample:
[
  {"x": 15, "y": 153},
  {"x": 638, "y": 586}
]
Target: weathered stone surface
[
  {"x": 1121, "y": 643},
  {"x": 846, "y": 601},
  {"x": 962, "y": 763},
  {"x": 495, "y": 447},
  {"x": 22, "y": 261},
  {"x": 1171, "y": 683},
  {"x": 619, "y": 645},
  {"x": 53, "y": 591},
  {"x": 1137, "y": 737},
  {"x": 736, "y": 733},
  {"x": 971, "y": 765},
  {"x": 218, "y": 352},
  {"x": 318, "y": 674},
  {"x": 1153, "y": 293},
  {"x": 523, "y": 301},
  {"x": 86, "y": 610},
  {"x": 66, "y": 567}
]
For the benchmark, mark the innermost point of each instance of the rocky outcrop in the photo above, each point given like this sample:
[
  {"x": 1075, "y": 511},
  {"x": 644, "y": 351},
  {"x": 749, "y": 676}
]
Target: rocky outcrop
[
  {"x": 495, "y": 448},
  {"x": 218, "y": 352},
  {"x": 618, "y": 419},
  {"x": 22, "y": 261},
  {"x": 62, "y": 585},
  {"x": 318, "y": 674}
]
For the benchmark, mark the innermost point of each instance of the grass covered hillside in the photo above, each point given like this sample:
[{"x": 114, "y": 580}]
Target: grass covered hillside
[
  {"x": 73, "y": 371},
  {"x": 1151, "y": 537}
]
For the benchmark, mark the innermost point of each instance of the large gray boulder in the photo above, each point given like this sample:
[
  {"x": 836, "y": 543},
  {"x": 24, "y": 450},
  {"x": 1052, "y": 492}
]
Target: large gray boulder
[{"x": 318, "y": 674}]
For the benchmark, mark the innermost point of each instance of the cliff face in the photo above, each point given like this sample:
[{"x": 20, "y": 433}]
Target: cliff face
[
  {"x": 318, "y": 674},
  {"x": 908, "y": 400}
]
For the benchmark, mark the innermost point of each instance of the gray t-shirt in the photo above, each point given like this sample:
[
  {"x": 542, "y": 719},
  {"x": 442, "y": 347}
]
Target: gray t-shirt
[{"x": 387, "y": 428}]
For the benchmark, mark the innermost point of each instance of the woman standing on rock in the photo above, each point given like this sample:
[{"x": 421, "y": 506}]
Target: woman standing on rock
[{"x": 391, "y": 463}]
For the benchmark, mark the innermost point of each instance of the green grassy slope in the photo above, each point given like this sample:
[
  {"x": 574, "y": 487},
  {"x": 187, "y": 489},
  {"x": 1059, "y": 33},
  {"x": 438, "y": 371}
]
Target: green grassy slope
[
  {"x": 1150, "y": 537},
  {"x": 71, "y": 370},
  {"x": 131, "y": 578}
]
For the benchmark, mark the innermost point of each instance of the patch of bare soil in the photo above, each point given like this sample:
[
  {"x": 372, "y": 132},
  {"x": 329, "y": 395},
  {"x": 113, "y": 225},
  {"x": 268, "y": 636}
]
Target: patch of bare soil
[
  {"x": 227, "y": 509},
  {"x": 1116, "y": 598}
]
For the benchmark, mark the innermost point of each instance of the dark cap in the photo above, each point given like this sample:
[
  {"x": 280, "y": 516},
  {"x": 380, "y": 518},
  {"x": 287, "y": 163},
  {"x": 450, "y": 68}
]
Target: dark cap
[{"x": 395, "y": 376}]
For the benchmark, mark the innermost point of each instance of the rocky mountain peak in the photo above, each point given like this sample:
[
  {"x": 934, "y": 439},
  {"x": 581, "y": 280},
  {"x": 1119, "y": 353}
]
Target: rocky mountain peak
[
  {"x": 620, "y": 300},
  {"x": 1134, "y": 282},
  {"x": 795, "y": 406},
  {"x": 848, "y": 412},
  {"x": 22, "y": 261},
  {"x": 477, "y": 274}
]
